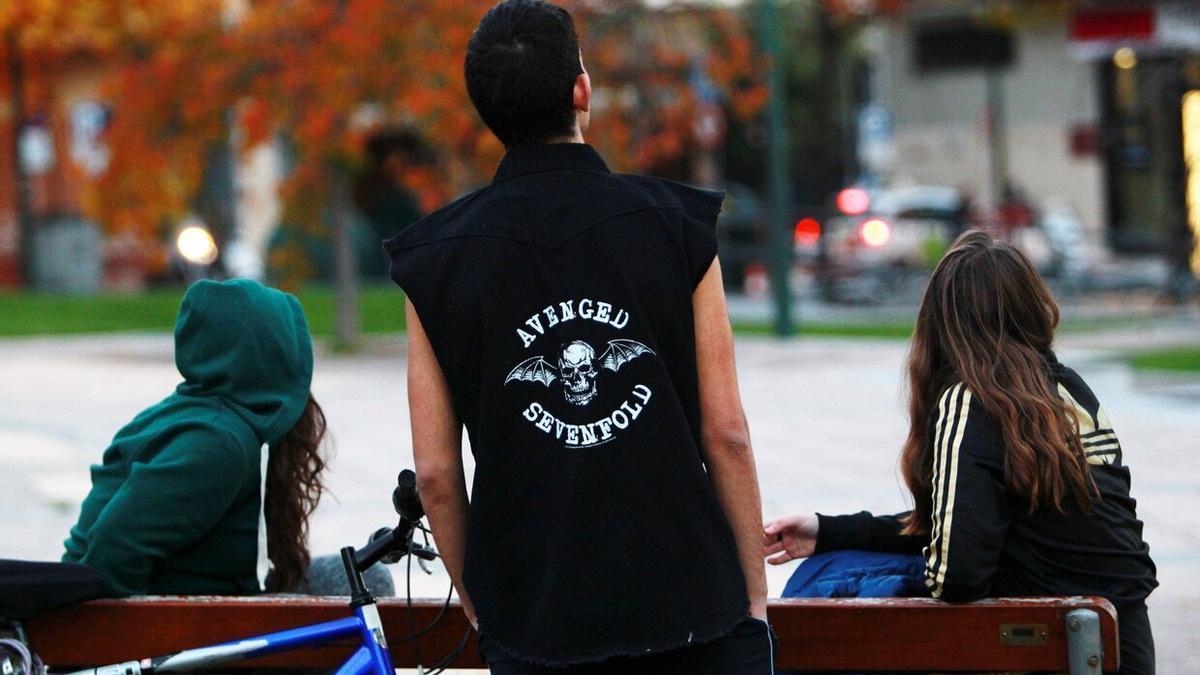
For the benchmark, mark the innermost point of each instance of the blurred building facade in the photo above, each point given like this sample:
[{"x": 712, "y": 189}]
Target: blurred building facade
[
  {"x": 58, "y": 145},
  {"x": 61, "y": 147},
  {"x": 1077, "y": 104}
]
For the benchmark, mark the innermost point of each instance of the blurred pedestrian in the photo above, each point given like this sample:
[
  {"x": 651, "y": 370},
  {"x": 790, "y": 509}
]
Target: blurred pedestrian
[
  {"x": 1015, "y": 210},
  {"x": 383, "y": 197},
  {"x": 573, "y": 320}
]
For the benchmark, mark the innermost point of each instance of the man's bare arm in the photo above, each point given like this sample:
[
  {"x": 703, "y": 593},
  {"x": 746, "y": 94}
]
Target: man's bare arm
[
  {"x": 726, "y": 435},
  {"x": 437, "y": 452}
]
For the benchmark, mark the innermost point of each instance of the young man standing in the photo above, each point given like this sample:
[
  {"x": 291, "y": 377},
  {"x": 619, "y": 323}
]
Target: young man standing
[{"x": 573, "y": 320}]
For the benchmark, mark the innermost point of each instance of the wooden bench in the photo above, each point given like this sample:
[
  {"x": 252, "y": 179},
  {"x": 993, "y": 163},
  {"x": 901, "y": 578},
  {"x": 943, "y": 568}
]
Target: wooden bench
[{"x": 1077, "y": 634}]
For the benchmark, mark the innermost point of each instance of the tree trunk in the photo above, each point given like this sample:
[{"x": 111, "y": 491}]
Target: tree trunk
[
  {"x": 345, "y": 271},
  {"x": 23, "y": 187}
]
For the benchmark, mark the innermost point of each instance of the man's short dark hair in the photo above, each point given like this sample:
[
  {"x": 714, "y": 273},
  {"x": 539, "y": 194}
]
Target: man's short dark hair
[{"x": 521, "y": 67}]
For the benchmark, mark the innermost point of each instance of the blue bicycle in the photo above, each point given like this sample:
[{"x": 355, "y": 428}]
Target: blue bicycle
[{"x": 372, "y": 657}]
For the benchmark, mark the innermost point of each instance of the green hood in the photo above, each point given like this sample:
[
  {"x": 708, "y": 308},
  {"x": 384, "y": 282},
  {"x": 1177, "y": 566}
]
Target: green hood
[{"x": 248, "y": 345}]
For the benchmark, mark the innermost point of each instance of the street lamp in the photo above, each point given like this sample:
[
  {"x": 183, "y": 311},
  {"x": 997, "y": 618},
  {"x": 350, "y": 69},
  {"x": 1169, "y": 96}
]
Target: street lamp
[
  {"x": 779, "y": 195},
  {"x": 196, "y": 245}
]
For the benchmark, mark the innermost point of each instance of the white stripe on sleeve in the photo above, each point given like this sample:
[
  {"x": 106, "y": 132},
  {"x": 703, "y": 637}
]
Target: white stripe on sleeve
[
  {"x": 939, "y": 436},
  {"x": 945, "y": 477}
]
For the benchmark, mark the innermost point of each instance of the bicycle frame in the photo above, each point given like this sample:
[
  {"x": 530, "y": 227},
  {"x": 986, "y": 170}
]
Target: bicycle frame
[{"x": 371, "y": 657}]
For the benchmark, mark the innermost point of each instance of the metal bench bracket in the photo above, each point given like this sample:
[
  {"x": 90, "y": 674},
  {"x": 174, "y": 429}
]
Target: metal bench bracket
[{"x": 1085, "y": 651}]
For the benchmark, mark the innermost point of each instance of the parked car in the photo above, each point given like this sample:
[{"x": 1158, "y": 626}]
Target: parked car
[{"x": 882, "y": 242}]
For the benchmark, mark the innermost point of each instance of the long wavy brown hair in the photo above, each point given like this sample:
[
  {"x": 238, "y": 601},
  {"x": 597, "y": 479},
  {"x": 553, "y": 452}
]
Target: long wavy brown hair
[
  {"x": 294, "y": 487},
  {"x": 987, "y": 320}
]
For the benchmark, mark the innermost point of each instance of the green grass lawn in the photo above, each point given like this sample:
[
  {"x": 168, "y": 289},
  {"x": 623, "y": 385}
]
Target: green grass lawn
[
  {"x": 1179, "y": 359},
  {"x": 381, "y": 308},
  {"x": 38, "y": 314},
  {"x": 900, "y": 329}
]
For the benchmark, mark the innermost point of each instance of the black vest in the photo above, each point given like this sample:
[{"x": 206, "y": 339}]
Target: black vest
[{"x": 558, "y": 300}]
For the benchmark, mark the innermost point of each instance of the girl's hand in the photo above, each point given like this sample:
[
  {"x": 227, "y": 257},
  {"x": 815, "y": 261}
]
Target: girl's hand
[{"x": 789, "y": 538}]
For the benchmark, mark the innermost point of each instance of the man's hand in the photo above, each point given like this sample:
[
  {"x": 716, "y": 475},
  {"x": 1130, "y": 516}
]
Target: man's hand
[{"x": 790, "y": 537}]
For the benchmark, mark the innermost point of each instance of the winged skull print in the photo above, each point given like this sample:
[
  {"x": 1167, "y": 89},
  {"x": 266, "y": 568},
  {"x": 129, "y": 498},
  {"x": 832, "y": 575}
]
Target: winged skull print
[{"x": 578, "y": 367}]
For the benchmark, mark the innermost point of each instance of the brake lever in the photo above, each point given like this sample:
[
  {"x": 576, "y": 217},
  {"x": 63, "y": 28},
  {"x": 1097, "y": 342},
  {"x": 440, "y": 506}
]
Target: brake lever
[{"x": 423, "y": 554}]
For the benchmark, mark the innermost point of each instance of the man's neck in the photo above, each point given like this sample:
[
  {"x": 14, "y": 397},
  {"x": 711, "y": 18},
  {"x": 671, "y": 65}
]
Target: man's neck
[{"x": 575, "y": 137}]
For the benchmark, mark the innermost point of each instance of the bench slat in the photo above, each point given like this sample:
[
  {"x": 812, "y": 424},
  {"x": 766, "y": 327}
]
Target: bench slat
[
  {"x": 863, "y": 634},
  {"x": 922, "y": 634},
  {"x": 112, "y": 631}
]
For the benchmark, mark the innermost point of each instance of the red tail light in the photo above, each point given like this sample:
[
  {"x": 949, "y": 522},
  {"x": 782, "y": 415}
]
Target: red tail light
[
  {"x": 808, "y": 232},
  {"x": 853, "y": 201}
]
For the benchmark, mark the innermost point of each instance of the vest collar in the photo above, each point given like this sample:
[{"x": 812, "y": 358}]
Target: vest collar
[{"x": 527, "y": 159}]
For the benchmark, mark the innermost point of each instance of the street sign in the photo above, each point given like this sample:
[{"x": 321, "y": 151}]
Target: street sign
[{"x": 708, "y": 126}]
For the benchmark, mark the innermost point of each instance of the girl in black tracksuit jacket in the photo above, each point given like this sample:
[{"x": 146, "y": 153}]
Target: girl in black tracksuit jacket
[
  {"x": 985, "y": 536},
  {"x": 986, "y": 543}
]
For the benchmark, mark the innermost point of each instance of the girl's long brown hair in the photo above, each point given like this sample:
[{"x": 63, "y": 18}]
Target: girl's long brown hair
[
  {"x": 987, "y": 320},
  {"x": 294, "y": 487}
]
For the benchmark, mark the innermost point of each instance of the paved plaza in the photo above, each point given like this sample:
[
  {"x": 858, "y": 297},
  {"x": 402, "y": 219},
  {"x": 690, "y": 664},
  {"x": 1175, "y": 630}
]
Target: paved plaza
[{"x": 826, "y": 416}]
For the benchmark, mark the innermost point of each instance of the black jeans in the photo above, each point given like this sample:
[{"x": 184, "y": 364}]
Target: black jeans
[
  {"x": 749, "y": 649},
  {"x": 1137, "y": 641}
]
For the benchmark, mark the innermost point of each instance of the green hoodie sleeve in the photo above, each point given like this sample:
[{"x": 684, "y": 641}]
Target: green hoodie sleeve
[{"x": 166, "y": 504}]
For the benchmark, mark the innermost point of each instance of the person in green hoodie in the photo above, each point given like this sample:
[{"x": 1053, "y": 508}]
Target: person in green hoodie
[{"x": 174, "y": 506}]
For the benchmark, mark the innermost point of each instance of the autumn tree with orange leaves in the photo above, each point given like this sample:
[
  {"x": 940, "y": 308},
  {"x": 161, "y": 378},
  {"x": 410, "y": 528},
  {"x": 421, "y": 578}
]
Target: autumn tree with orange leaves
[
  {"x": 40, "y": 40},
  {"x": 326, "y": 75},
  {"x": 315, "y": 70}
]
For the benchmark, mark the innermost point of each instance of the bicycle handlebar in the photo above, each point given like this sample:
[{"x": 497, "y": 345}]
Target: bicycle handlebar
[
  {"x": 405, "y": 499},
  {"x": 396, "y": 542}
]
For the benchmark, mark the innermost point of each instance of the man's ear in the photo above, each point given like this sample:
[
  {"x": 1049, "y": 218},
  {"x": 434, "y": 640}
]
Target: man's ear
[
  {"x": 582, "y": 96},
  {"x": 582, "y": 100}
]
